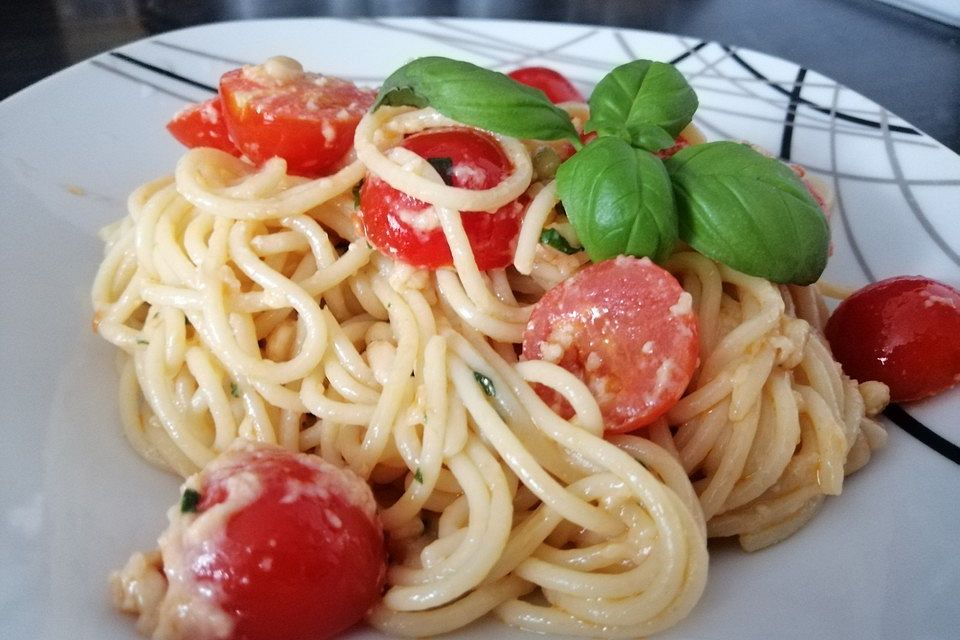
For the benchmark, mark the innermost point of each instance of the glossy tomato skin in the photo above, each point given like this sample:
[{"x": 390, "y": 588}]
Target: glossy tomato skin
[
  {"x": 203, "y": 125},
  {"x": 554, "y": 84},
  {"x": 303, "y": 560},
  {"x": 306, "y": 119},
  {"x": 902, "y": 331},
  {"x": 478, "y": 162},
  {"x": 627, "y": 329}
]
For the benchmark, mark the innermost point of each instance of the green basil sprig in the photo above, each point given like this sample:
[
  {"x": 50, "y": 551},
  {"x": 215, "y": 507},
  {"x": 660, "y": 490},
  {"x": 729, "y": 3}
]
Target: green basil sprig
[
  {"x": 749, "y": 211},
  {"x": 724, "y": 199},
  {"x": 636, "y": 97},
  {"x": 619, "y": 200},
  {"x": 478, "y": 97}
]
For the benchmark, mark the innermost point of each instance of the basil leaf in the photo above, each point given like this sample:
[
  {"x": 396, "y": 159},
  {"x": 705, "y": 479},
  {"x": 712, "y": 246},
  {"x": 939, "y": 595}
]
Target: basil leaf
[
  {"x": 650, "y": 137},
  {"x": 553, "y": 238},
  {"x": 619, "y": 200},
  {"x": 478, "y": 97},
  {"x": 641, "y": 92},
  {"x": 443, "y": 166},
  {"x": 189, "y": 501},
  {"x": 356, "y": 194},
  {"x": 485, "y": 383},
  {"x": 749, "y": 211}
]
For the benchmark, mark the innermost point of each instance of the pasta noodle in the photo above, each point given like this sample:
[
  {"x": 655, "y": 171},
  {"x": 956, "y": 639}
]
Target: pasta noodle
[{"x": 245, "y": 304}]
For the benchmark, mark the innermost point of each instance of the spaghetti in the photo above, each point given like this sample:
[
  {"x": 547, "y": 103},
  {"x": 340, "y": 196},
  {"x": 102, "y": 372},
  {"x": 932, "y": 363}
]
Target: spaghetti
[{"x": 245, "y": 304}]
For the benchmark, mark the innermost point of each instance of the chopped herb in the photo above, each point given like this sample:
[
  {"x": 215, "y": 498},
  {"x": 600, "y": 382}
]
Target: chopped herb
[
  {"x": 418, "y": 476},
  {"x": 189, "y": 501},
  {"x": 444, "y": 167},
  {"x": 553, "y": 238},
  {"x": 234, "y": 390},
  {"x": 485, "y": 383},
  {"x": 142, "y": 341},
  {"x": 356, "y": 194}
]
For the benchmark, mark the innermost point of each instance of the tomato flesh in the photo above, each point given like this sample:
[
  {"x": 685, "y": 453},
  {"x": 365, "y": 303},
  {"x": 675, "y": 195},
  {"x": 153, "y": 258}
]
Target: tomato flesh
[
  {"x": 203, "y": 125},
  {"x": 304, "y": 559},
  {"x": 390, "y": 217},
  {"x": 680, "y": 143},
  {"x": 307, "y": 119},
  {"x": 554, "y": 84},
  {"x": 902, "y": 331},
  {"x": 626, "y": 328}
]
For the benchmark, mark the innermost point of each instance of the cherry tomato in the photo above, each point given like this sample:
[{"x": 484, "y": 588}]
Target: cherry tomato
[
  {"x": 203, "y": 125},
  {"x": 681, "y": 142},
  {"x": 627, "y": 329},
  {"x": 390, "y": 217},
  {"x": 904, "y": 332},
  {"x": 299, "y": 552},
  {"x": 552, "y": 83},
  {"x": 276, "y": 109}
]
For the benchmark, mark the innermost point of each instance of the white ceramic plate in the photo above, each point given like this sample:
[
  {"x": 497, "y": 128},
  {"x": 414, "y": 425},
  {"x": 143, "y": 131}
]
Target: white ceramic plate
[{"x": 878, "y": 562}]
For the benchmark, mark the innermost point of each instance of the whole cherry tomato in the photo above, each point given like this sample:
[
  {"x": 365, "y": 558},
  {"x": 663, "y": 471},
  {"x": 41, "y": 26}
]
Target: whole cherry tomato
[{"x": 904, "y": 332}]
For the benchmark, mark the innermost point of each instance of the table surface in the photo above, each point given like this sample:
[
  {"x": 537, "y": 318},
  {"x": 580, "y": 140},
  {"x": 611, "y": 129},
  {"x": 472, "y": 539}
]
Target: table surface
[{"x": 905, "y": 62}]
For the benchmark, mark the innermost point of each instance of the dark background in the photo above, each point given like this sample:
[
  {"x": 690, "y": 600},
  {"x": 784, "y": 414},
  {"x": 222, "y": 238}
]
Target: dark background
[{"x": 907, "y": 63}]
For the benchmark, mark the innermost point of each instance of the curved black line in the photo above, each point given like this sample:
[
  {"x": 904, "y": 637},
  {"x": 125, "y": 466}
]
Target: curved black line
[
  {"x": 921, "y": 432},
  {"x": 162, "y": 71},
  {"x": 689, "y": 52},
  {"x": 813, "y": 105},
  {"x": 786, "y": 140},
  {"x": 140, "y": 81}
]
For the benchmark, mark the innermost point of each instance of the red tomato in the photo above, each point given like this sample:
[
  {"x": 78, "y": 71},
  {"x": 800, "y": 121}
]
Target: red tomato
[
  {"x": 904, "y": 332},
  {"x": 552, "y": 83},
  {"x": 626, "y": 328},
  {"x": 305, "y": 118},
  {"x": 681, "y": 142},
  {"x": 301, "y": 553},
  {"x": 389, "y": 217},
  {"x": 203, "y": 125}
]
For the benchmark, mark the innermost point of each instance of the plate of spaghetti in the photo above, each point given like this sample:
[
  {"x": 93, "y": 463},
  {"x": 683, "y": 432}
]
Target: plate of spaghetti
[{"x": 614, "y": 335}]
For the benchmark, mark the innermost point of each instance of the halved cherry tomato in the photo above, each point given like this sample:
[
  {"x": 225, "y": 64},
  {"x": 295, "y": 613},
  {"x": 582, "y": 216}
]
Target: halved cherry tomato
[
  {"x": 552, "y": 83},
  {"x": 904, "y": 332},
  {"x": 627, "y": 329},
  {"x": 297, "y": 552},
  {"x": 203, "y": 125},
  {"x": 277, "y": 109},
  {"x": 401, "y": 226}
]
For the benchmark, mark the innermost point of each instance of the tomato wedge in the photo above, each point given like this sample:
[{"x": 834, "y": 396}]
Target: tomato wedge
[
  {"x": 203, "y": 125},
  {"x": 627, "y": 329},
  {"x": 284, "y": 544},
  {"x": 277, "y": 109},
  {"x": 408, "y": 230},
  {"x": 554, "y": 84},
  {"x": 904, "y": 332}
]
